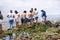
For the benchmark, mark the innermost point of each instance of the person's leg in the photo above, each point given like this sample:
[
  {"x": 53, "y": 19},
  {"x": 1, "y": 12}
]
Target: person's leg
[
  {"x": 32, "y": 21},
  {"x": 16, "y": 24},
  {"x": 25, "y": 22},
  {"x": 21, "y": 21},
  {"x": 11, "y": 25},
  {"x": 0, "y": 28},
  {"x": 28, "y": 22},
  {"x": 36, "y": 18},
  {"x": 10, "y": 30},
  {"x": 44, "y": 20}
]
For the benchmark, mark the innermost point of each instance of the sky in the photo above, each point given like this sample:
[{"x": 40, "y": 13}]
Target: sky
[{"x": 52, "y": 7}]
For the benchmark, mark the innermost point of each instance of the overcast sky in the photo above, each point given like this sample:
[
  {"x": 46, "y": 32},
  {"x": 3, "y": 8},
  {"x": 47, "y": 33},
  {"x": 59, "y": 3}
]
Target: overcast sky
[{"x": 52, "y": 7}]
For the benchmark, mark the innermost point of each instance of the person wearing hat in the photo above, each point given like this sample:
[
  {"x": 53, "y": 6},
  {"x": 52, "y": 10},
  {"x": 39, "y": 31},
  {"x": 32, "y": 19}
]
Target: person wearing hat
[{"x": 43, "y": 15}]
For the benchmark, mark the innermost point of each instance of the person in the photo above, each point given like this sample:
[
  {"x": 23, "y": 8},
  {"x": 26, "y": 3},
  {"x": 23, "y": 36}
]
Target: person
[
  {"x": 32, "y": 9},
  {"x": 30, "y": 17},
  {"x": 1, "y": 18},
  {"x": 11, "y": 17},
  {"x": 23, "y": 18},
  {"x": 17, "y": 17},
  {"x": 43, "y": 15},
  {"x": 36, "y": 15}
]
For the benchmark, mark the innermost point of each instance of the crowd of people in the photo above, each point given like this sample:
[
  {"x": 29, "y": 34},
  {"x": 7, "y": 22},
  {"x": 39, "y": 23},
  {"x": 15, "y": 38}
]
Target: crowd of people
[{"x": 27, "y": 18}]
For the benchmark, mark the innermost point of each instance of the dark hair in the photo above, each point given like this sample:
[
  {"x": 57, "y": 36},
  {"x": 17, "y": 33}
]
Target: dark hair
[
  {"x": 0, "y": 12},
  {"x": 11, "y": 11},
  {"x": 35, "y": 9},
  {"x": 16, "y": 12},
  {"x": 30, "y": 11},
  {"x": 25, "y": 11},
  {"x": 42, "y": 10}
]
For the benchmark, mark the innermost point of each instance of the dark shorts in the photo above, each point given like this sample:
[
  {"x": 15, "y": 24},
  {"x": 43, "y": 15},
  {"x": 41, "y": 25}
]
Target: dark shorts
[
  {"x": 36, "y": 18},
  {"x": 23, "y": 20},
  {"x": 30, "y": 19}
]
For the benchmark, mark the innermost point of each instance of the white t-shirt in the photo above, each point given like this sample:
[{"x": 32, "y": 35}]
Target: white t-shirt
[
  {"x": 16, "y": 17},
  {"x": 36, "y": 13},
  {"x": 10, "y": 16}
]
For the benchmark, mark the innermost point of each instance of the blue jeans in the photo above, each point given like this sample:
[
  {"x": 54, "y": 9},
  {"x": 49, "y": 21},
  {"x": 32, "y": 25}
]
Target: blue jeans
[{"x": 11, "y": 23}]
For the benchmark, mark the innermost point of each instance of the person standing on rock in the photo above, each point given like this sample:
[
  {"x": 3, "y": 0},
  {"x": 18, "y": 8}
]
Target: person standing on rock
[
  {"x": 43, "y": 15},
  {"x": 1, "y": 18},
  {"x": 17, "y": 17},
  {"x": 11, "y": 17},
  {"x": 30, "y": 18},
  {"x": 36, "y": 15},
  {"x": 23, "y": 18}
]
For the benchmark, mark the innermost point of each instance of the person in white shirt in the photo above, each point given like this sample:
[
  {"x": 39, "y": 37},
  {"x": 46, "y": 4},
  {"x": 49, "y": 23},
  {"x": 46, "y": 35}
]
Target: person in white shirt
[
  {"x": 11, "y": 17},
  {"x": 17, "y": 17},
  {"x": 36, "y": 15}
]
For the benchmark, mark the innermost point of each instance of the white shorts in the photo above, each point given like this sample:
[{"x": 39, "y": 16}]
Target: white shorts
[{"x": 17, "y": 20}]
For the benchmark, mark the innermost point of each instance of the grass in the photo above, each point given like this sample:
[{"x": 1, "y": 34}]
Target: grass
[
  {"x": 35, "y": 29},
  {"x": 35, "y": 32}
]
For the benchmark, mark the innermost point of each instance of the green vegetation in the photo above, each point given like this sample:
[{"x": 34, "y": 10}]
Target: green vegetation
[
  {"x": 39, "y": 32},
  {"x": 57, "y": 22}
]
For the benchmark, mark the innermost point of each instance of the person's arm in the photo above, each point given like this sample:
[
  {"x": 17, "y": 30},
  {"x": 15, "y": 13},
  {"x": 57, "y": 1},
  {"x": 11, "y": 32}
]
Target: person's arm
[
  {"x": 8, "y": 16},
  {"x": 21, "y": 15},
  {"x": 2, "y": 17},
  {"x": 18, "y": 15},
  {"x": 45, "y": 14},
  {"x": 13, "y": 16}
]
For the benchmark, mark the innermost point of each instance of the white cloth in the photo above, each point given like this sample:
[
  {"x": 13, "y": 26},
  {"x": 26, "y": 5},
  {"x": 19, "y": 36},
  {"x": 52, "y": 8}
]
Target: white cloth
[
  {"x": 16, "y": 17},
  {"x": 11, "y": 16},
  {"x": 36, "y": 13}
]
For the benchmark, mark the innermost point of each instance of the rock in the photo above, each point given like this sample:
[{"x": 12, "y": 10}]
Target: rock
[
  {"x": 14, "y": 35},
  {"x": 0, "y": 39}
]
